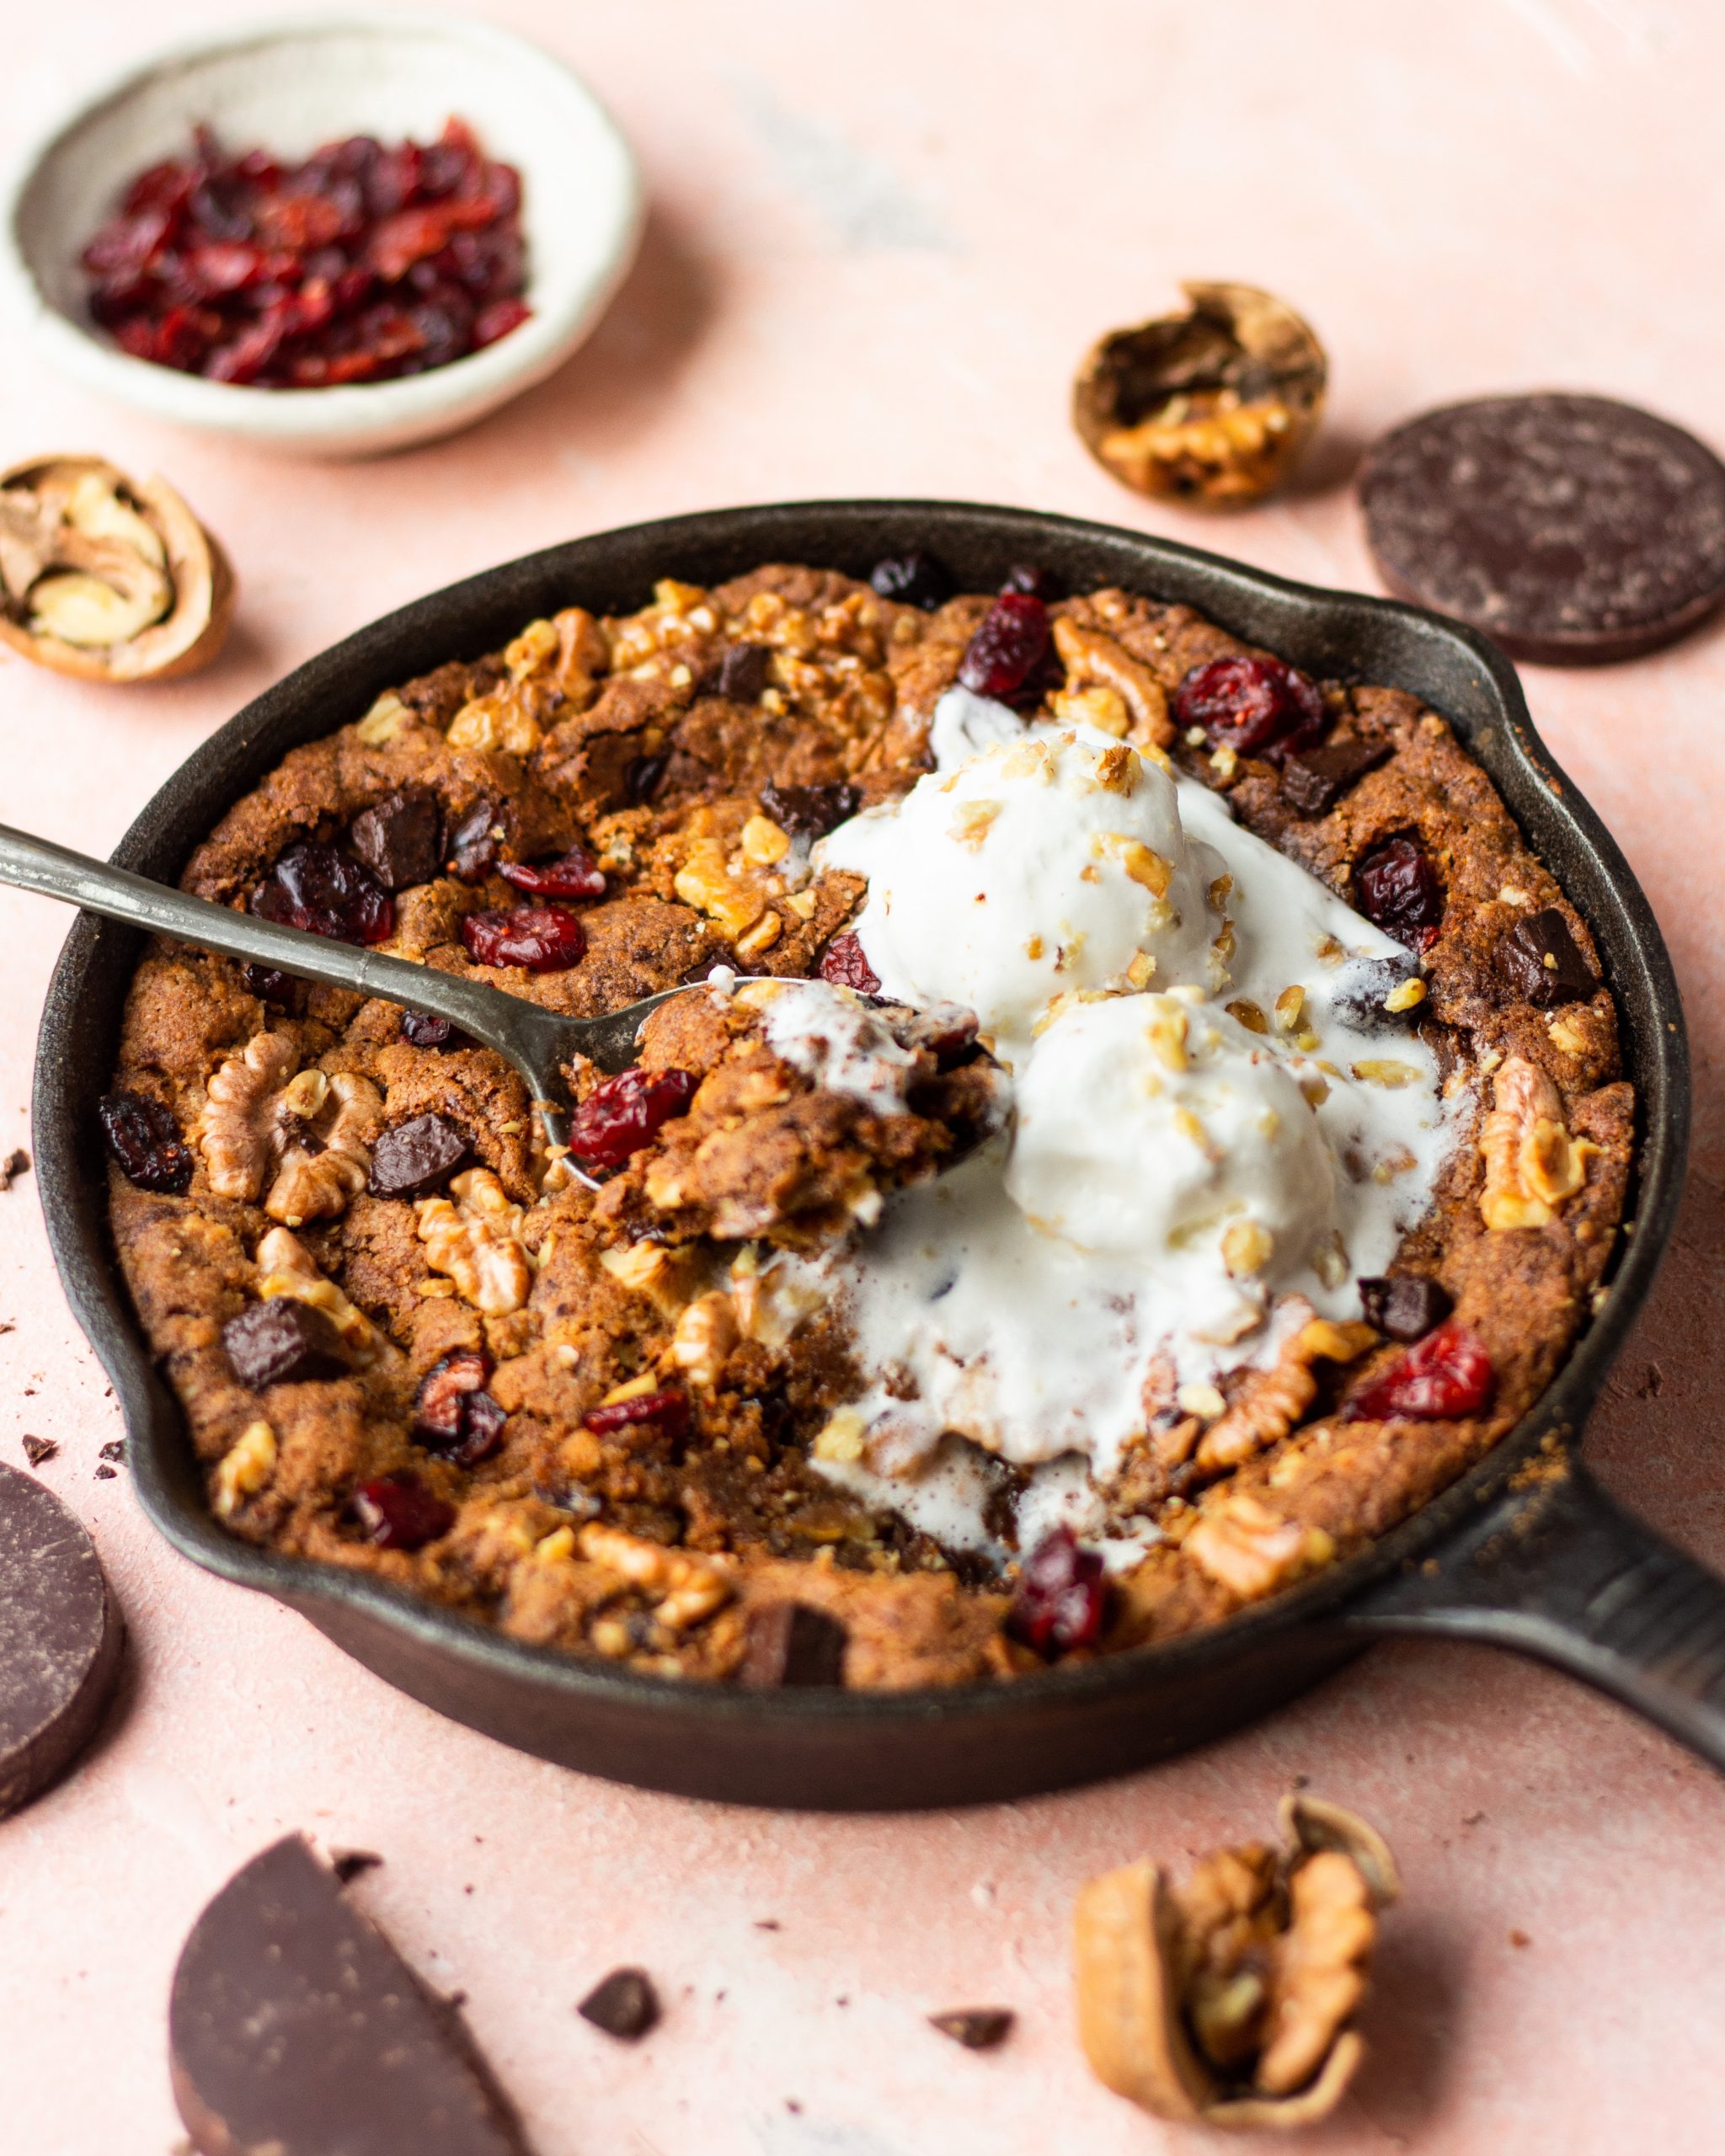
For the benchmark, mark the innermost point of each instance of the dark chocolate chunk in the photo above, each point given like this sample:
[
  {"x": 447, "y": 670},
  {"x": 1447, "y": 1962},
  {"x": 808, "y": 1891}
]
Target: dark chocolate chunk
[
  {"x": 349, "y": 1864},
  {"x": 413, "y": 1157},
  {"x": 1315, "y": 780},
  {"x": 400, "y": 837},
  {"x": 1543, "y": 961},
  {"x": 912, "y": 579},
  {"x": 645, "y": 776},
  {"x": 282, "y": 1341},
  {"x": 16, "y": 1163},
  {"x": 38, "y": 1450},
  {"x": 793, "y": 1643},
  {"x": 60, "y": 1638},
  {"x": 295, "y": 2027},
  {"x": 977, "y": 2028},
  {"x": 1406, "y": 1307},
  {"x": 624, "y": 2004},
  {"x": 811, "y": 811},
  {"x": 1362, "y": 987},
  {"x": 740, "y": 672},
  {"x": 1571, "y": 529},
  {"x": 473, "y": 844}
]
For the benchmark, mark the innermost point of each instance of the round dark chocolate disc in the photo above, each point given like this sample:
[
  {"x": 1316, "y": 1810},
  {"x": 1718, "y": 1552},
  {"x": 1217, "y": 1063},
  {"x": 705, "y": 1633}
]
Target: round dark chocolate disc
[
  {"x": 1571, "y": 529},
  {"x": 60, "y": 1638}
]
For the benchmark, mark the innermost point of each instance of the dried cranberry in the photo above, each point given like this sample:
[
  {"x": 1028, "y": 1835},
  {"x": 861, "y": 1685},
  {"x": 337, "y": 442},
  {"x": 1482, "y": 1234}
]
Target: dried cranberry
[
  {"x": 544, "y": 939},
  {"x": 397, "y": 1512},
  {"x": 1398, "y": 890},
  {"x": 423, "y": 1030},
  {"x": 912, "y": 579},
  {"x": 846, "y": 964},
  {"x": 572, "y": 875},
  {"x": 811, "y": 811},
  {"x": 668, "y": 1410},
  {"x": 1040, "y": 583},
  {"x": 144, "y": 1138},
  {"x": 620, "y": 1116},
  {"x": 1250, "y": 704},
  {"x": 1008, "y": 646},
  {"x": 1447, "y": 1374},
  {"x": 453, "y": 1414},
  {"x": 473, "y": 844},
  {"x": 357, "y": 263},
  {"x": 1061, "y": 1596},
  {"x": 315, "y": 887},
  {"x": 276, "y": 989}
]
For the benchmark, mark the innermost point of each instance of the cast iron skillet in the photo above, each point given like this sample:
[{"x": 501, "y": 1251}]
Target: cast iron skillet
[{"x": 1526, "y": 1551}]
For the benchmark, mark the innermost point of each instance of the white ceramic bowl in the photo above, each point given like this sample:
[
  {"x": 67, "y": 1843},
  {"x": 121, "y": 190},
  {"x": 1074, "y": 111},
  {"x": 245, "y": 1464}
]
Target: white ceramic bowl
[{"x": 287, "y": 87}]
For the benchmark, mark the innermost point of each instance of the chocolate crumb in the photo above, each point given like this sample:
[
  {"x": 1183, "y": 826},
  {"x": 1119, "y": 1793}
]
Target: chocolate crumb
[
  {"x": 624, "y": 2004},
  {"x": 349, "y": 1864},
  {"x": 113, "y": 1449},
  {"x": 17, "y": 1163},
  {"x": 1519, "y": 1939},
  {"x": 977, "y": 2028},
  {"x": 105, "y": 1474},
  {"x": 38, "y": 1450},
  {"x": 768, "y": 1924}
]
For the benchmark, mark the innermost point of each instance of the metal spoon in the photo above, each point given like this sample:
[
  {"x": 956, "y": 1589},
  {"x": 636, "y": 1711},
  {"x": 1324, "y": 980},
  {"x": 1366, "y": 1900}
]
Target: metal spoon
[{"x": 536, "y": 1041}]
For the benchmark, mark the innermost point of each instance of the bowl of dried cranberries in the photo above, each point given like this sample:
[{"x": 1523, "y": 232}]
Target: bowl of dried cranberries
[{"x": 334, "y": 237}]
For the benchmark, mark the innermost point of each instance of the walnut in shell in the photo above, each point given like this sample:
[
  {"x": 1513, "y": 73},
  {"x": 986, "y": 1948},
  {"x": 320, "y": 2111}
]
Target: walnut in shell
[
  {"x": 1213, "y": 407},
  {"x": 107, "y": 577},
  {"x": 1231, "y": 1999}
]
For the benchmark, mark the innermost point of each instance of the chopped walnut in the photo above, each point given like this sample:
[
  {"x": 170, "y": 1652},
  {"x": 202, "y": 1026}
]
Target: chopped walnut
[
  {"x": 553, "y": 671},
  {"x": 1247, "y": 1549},
  {"x": 1532, "y": 1163},
  {"x": 475, "y": 1236},
  {"x": 1272, "y": 1401},
  {"x": 304, "y": 1136},
  {"x": 244, "y": 1469},
  {"x": 688, "y": 1588},
  {"x": 287, "y": 1267},
  {"x": 1093, "y": 660},
  {"x": 1230, "y": 2000},
  {"x": 706, "y": 1333}
]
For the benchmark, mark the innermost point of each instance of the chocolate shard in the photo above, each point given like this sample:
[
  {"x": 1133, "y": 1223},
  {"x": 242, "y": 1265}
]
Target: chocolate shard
[
  {"x": 740, "y": 674},
  {"x": 811, "y": 811},
  {"x": 282, "y": 1341},
  {"x": 37, "y": 1450},
  {"x": 977, "y": 2028},
  {"x": 15, "y": 1164},
  {"x": 793, "y": 1643},
  {"x": 1541, "y": 961},
  {"x": 349, "y": 1864},
  {"x": 1406, "y": 1307},
  {"x": 474, "y": 842},
  {"x": 400, "y": 837},
  {"x": 295, "y": 2027},
  {"x": 1314, "y": 780},
  {"x": 413, "y": 1157},
  {"x": 624, "y": 2004},
  {"x": 60, "y": 1638}
]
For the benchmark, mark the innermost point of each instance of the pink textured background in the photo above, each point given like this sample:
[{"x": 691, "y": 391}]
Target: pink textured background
[{"x": 882, "y": 233}]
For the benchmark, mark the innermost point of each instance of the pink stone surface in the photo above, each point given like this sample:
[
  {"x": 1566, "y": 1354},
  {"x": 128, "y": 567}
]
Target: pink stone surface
[{"x": 882, "y": 235}]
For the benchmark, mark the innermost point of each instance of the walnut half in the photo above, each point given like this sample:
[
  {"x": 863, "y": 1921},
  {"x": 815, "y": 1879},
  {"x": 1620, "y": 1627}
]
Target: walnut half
[
  {"x": 1532, "y": 1163},
  {"x": 1231, "y": 1999},
  {"x": 107, "y": 577},
  {"x": 300, "y": 1140},
  {"x": 475, "y": 1236}
]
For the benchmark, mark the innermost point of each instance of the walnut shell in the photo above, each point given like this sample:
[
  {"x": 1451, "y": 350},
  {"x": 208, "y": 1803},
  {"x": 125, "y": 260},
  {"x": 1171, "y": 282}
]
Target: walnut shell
[
  {"x": 1295, "y": 1932},
  {"x": 108, "y": 578},
  {"x": 1213, "y": 407}
]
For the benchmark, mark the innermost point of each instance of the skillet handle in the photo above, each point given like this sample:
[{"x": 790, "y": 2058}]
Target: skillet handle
[{"x": 1558, "y": 1571}]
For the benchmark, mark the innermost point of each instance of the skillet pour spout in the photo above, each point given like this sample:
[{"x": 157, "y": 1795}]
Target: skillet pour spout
[{"x": 1525, "y": 1550}]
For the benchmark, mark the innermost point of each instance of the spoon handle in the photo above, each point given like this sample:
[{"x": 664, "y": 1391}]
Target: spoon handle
[{"x": 530, "y": 1038}]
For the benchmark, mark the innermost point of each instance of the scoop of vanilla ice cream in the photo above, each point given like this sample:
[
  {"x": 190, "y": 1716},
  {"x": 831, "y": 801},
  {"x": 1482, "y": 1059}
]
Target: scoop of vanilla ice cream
[
  {"x": 1040, "y": 865},
  {"x": 1157, "y": 1128}
]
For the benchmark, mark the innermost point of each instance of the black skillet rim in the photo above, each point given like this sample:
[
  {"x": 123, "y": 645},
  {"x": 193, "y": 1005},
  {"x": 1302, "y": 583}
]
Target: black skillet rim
[{"x": 342, "y": 680}]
